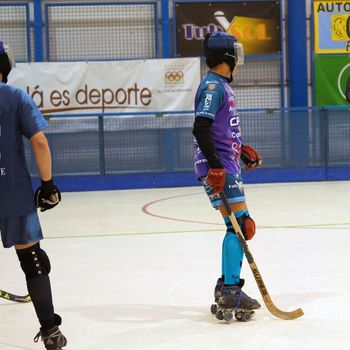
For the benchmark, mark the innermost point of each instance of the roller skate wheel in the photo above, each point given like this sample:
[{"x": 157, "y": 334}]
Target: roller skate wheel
[
  {"x": 243, "y": 316},
  {"x": 219, "y": 315},
  {"x": 213, "y": 309},
  {"x": 228, "y": 316}
]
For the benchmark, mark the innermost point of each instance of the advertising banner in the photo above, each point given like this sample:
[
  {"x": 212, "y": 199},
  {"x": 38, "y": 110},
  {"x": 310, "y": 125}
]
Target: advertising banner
[
  {"x": 124, "y": 86},
  {"x": 332, "y": 26},
  {"x": 332, "y": 80},
  {"x": 255, "y": 24}
]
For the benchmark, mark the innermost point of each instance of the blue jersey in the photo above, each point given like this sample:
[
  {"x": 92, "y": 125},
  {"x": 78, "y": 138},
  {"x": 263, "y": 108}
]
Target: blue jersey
[
  {"x": 19, "y": 117},
  {"x": 215, "y": 99}
]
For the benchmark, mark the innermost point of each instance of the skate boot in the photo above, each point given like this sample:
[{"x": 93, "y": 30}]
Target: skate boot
[
  {"x": 53, "y": 338},
  {"x": 217, "y": 292},
  {"x": 234, "y": 302}
]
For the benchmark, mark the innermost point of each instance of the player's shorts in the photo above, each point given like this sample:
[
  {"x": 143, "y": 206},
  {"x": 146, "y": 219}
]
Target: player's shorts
[
  {"x": 233, "y": 190},
  {"x": 20, "y": 230}
]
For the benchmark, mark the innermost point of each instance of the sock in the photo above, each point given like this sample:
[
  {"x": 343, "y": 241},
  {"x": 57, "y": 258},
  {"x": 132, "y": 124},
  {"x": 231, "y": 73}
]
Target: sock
[
  {"x": 232, "y": 254},
  {"x": 39, "y": 289}
]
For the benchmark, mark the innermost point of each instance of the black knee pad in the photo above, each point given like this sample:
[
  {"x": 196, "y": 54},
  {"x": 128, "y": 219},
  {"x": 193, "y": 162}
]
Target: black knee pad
[{"x": 34, "y": 261}]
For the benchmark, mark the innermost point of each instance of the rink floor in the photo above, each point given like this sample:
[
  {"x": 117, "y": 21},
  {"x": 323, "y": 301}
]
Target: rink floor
[{"x": 136, "y": 269}]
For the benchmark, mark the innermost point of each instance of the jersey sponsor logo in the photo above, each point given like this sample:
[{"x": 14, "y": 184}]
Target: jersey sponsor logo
[
  {"x": 235, "y": 147},
  {"x": 233, "y": 110},
  {"x": 235, "y": 134},
  {"x": 207, "y": 101},
  {"x": 237, "y": 184},
  {"x": 197, "y": 149},
  {"x": 199, "y": 161},
  {"x": 211, "y": 87},
  {"x": 234, "y": 121},
  {"x": 211, "y": 82},
  {"x": 213, "y": 196}
]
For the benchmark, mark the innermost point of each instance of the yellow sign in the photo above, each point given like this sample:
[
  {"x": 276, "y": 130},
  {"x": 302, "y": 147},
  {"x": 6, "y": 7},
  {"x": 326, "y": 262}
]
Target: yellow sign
[
  {"x": 332, "y": 26},
  {"x": 258, "y": 35}
]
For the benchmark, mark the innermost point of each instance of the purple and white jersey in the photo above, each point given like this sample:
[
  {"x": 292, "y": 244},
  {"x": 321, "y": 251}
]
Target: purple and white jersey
[{"x": 215, "y": 99}]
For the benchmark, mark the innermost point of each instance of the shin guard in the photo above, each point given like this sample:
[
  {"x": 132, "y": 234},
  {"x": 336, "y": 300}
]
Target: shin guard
[{"x": 36, "y": 267}]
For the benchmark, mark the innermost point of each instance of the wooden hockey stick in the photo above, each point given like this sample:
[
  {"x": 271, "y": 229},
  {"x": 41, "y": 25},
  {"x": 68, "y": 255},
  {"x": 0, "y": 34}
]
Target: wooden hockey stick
[
  {"x": 15, "y": 298},
  {"x": 285, "y": 315}
]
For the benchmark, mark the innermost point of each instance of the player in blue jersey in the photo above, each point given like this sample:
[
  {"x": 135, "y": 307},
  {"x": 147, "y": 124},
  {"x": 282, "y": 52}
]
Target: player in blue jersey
[
  {"x": 218, "y": 149},
  {"x": 19, "y": 222}
]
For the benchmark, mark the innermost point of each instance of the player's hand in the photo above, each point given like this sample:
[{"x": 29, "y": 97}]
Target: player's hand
[
  {"x": 47, "y": 195},
  {"x": 216, "y": 179},
  {"x": 250, "y": 157}
]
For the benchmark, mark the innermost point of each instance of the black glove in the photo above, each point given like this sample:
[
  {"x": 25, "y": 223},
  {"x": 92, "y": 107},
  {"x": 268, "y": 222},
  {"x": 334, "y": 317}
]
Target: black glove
[{"x": 47, "y": 195}]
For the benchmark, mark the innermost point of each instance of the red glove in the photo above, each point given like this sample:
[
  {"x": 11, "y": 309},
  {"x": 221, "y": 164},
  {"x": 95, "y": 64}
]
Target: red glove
[
  {"x": 216, "y": 179},
  {"x": 250, "y": 157}
]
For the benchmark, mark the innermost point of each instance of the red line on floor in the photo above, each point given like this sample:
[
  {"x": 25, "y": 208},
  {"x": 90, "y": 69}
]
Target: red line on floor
[{"x": 146, "y": 210}]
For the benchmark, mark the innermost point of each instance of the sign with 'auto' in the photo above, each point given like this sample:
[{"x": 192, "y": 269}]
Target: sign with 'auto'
[{"x": 332, "y": 26}]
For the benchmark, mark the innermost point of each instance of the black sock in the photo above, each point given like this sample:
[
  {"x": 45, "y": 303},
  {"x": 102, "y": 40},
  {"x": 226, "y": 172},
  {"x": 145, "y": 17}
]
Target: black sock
[{"x": 39, "y": 289}]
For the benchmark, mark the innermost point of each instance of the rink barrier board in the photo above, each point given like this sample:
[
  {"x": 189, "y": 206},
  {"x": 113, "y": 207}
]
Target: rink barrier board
[{"x": 183, "y": 179}]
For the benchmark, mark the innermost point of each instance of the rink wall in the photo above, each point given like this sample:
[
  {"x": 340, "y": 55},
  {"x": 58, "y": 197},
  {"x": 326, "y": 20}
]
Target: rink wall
[
  {"x": 183, "y": 179},
  {"x": 119, "y": 152}
]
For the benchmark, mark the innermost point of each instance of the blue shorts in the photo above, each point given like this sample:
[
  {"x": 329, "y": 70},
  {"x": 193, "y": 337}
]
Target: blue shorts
[
  {"x": 233, "y": 190},
  {"x": 20, "y": 230}
]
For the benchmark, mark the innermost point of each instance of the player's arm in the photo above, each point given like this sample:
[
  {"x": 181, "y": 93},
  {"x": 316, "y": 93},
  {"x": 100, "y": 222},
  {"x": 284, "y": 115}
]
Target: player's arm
[
  {"x": 209, "y": 102},
  {"x": 47, "y": 195},
  {"x": 31, "y": 123},
  {"x": 201, "y": 131},
  {"x": 208, "y": 106},
  {"x": 42, "y": 155},
  {"x": 216, "y": 174}
]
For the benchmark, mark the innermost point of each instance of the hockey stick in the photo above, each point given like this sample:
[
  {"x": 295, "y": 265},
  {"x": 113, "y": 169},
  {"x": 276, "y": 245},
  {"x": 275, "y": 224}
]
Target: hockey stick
[
  {"x": 285, "y": 315},
  {"x": 15, "y": 298}
]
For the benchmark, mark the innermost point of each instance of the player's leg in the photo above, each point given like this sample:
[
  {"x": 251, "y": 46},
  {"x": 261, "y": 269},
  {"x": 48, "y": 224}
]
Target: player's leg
[
  {"x": 232, "y": 253},
  {"x": 230, "y": 283},
  {"x": 231, "y": 294},
  {"x": 24, "y": 233}
]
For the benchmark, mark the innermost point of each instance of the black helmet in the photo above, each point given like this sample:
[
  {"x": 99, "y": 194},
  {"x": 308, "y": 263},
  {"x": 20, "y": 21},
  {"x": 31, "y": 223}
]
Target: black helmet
[{"x": 7, "y": 61}]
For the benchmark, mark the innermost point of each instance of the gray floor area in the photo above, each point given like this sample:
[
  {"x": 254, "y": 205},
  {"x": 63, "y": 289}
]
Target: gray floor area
[{"x": 136, "y": 269}]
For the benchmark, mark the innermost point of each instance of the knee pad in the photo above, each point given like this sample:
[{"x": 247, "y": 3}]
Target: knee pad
[
  {"x": 34, "y": 261},
  {"x": 247, "y": 226}
]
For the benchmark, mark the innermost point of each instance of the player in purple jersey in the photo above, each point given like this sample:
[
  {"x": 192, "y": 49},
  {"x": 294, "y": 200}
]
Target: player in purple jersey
[
  {"x": 218, "y": 149},
  {"x": 19, "y": 222}
]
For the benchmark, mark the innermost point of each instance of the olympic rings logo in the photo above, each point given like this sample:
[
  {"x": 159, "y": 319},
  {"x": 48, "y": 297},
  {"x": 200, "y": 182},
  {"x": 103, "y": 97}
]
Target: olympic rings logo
[{"x": 174, "y": 76}]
